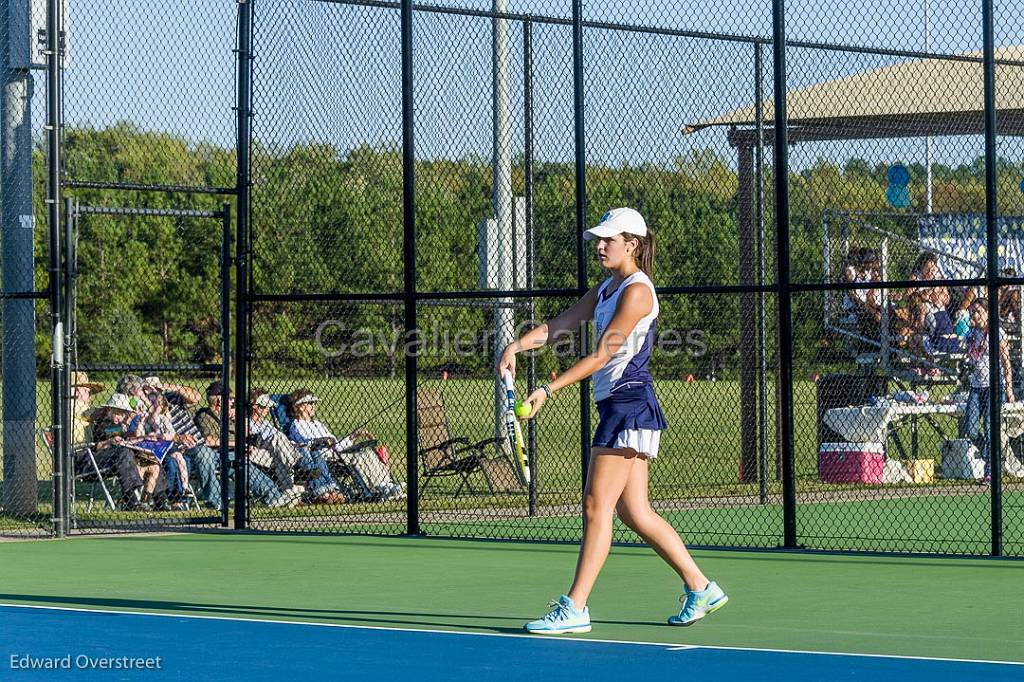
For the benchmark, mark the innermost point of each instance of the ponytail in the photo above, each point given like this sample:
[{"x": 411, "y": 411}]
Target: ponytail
[{"x": 644, "y": 254}]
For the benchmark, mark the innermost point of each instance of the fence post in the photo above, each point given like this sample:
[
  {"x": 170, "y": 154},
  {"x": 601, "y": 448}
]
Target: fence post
[
  {"x": 225, "y": 353},
  {"x": 242, "y": 311},
  {"x": 57, "y": 379},
  {"x": 531, "y": 361},
  {"x": 762, "y": 339},
  {"x": 70, "y": 332},
  {"x": 995, "y": 393},
  {"x": 785, "y": 309},
  {"x": 581, "y": 221},
  {"x": 409, "y": 248}
]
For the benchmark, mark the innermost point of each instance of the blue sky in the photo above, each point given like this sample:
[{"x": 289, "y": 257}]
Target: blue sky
[{"x": 331, "y": 73}]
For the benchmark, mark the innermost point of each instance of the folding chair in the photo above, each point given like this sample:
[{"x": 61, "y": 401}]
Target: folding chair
[
  {"x": 443, "y": 455},
  {"x": 94, "y": 474},
  {"x": 279, "y": 412}
]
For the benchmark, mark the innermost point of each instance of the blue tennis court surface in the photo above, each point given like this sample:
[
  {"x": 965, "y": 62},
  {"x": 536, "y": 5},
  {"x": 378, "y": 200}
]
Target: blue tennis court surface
[{"x": 201, "y": 648}]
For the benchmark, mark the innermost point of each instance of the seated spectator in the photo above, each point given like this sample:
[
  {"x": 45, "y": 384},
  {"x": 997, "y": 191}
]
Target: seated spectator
[
  {"x": 207, "y": 420},
  {"x": 157, "y": 424},
  {"x": 871, "y": 272},
  {"x": 863, "y": 306},
  {"x": 119, "y": 458},
  {"x": 112, "y": 431},
  {"x": 285, "y": 458},
  {"x": 923, "y": 300},
  {"x": 369, "y": 471},
  {"x": 203, "y": 464},
  {"x": 927, "y": 268},
  {"x": 851, "y": 274},
  {"x": 939, "y": 334}
]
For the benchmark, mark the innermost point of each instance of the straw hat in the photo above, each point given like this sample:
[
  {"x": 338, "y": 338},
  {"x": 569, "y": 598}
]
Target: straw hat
[{"x": 82, "y": 379}]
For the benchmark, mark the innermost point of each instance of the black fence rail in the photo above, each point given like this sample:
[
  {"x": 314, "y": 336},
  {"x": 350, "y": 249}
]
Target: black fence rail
[{"x": 409, "y": 184}]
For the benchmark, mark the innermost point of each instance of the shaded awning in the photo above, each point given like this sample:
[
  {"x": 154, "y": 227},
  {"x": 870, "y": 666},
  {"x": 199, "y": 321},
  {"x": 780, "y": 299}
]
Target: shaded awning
[{"x": 935, "y": 97}]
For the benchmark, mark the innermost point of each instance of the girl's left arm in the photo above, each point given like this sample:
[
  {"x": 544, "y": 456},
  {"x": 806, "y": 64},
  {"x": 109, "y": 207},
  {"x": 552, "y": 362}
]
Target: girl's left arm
[{"x": 636, "y": 302}]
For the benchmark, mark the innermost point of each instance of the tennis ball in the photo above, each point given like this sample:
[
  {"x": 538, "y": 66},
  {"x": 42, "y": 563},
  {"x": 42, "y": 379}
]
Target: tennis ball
[{"x": 523, "y": 409}]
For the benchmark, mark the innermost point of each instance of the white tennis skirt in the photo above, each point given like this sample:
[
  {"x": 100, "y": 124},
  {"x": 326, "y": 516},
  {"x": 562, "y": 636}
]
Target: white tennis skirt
[{"x": 644, "y": 441}]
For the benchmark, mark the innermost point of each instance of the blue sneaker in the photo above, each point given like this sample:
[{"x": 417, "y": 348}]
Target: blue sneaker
[
  {"x": 563, "y": 618},
  {"x": 696, "y": 605}
]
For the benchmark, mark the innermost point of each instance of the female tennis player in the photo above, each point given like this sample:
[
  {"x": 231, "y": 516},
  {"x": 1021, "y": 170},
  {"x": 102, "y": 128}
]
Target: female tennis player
[{"x": 624, "y": 308}]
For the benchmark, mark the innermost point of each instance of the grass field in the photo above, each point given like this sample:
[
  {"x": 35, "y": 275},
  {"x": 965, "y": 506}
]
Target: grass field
[
  {"x": 698, "y": 464},
  {"x": 702, "y": 445}
]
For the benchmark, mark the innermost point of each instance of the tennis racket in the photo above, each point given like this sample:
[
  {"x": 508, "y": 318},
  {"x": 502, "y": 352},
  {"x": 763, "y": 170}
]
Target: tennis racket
[{"x": 514, "y": 432}]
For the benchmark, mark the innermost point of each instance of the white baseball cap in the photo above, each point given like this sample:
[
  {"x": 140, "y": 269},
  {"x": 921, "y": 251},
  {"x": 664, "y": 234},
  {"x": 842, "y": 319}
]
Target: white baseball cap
[
  {"x": 617, "y": 221},
  {"x": 264, "y": 400}
]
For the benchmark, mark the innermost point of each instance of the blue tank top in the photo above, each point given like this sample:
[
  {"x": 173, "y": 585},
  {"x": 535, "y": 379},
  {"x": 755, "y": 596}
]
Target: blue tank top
[{"x": 628, "y": 367}]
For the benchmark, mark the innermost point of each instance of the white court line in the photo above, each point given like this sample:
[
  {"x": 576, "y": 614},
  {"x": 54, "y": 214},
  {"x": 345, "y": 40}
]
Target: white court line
[{"x": 668, "y": 646}]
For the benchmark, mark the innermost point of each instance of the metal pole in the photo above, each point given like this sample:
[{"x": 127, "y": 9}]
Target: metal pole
[
  {"x": 785, "y": 313},
  {"x": 504, "y": 232},
  {"x": 242, "y": 311},
  {"x": 995, "y": 449},
  {"x": 531, "y": 362},
  {"x": 762, "y": 339},
  {"x": 70, "y": 283},
  {"x": 21, "y": 483},
  {"x": 928, "y": 138},
  {"x": 57, "y": 378},
  {"x": 581, "y": 221},
  {"x": 747, "y": 322},
  {"x": 409, "y": 248},
  {"x": 225, "y": 353}
]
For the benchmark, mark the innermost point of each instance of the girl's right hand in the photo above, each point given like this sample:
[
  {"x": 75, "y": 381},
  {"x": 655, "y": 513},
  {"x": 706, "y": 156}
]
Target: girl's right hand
[{"x": 506, "y": 363}]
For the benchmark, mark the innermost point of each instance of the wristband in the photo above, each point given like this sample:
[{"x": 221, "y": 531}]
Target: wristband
[{"x": 548, "y": 392}]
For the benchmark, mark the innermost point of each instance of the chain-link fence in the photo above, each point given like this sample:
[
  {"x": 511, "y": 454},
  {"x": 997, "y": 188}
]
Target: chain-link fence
[
  {"x": 146, "y": 325},
  {"x": 412, "y": 183},
  {"x": 130, "y": 279}
]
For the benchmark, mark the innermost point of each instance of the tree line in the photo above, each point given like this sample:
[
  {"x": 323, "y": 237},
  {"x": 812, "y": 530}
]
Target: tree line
[{"x": 330, "y": 220}]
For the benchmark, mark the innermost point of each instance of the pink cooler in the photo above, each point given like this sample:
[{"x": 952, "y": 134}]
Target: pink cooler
[{"x": 851, "y": 462}]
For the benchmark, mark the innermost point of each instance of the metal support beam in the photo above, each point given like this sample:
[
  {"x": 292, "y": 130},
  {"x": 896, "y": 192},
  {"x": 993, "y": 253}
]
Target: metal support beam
[
  {"x": 785, "y": 311},
  {"x": 581, "y": 221},
  {"x": 994, "y": 427},
  {"x": 242, "y": 310},
  {"x": 531, "y": 361},
  {"x": 747, "y": 318},
  {"x": 409, "y": 251}
]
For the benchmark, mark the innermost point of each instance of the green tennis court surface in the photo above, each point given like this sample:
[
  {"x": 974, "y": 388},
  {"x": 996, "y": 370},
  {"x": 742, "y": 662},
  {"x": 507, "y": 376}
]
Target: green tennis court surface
[{"x": 948, "y": 608}]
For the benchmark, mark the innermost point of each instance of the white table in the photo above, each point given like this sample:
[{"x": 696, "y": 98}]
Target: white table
[{"x": 871, "y": 424}]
